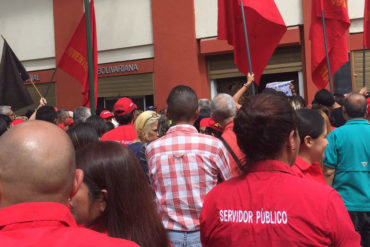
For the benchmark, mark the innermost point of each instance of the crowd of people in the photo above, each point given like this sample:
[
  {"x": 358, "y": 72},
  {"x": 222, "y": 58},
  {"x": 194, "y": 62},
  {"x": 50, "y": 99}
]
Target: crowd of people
[{"x": 269, "y": 171}]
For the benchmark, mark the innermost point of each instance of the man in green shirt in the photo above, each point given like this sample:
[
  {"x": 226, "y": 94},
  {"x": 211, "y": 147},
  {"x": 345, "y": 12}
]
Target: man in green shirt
[{"x": 346, "y": 163}]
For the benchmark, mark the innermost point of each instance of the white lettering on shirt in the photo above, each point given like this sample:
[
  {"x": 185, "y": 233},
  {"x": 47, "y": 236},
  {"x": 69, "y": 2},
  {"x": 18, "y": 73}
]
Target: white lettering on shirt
[{"x": 261, "y": 216}]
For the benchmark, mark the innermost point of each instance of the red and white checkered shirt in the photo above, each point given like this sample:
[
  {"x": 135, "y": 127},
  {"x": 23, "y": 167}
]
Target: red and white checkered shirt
[{"x": 183, "y": 167}]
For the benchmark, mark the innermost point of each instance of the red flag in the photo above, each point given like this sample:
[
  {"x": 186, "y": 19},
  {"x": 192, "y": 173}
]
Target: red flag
[
  {"x": 265, "y": 27},
  {"x": 74, "y": 59},
  {"x": 337, "y": 23},
  {"x": 367, "y": 25}
]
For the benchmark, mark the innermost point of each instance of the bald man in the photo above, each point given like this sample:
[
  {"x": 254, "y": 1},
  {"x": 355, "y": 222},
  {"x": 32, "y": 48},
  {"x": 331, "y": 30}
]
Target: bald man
[
  {"x": 37, "y": 177},
  {"x": 347, "y": 166}
]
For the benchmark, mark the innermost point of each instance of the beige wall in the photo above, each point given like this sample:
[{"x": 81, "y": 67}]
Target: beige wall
[{"x": 28, "y": 26}]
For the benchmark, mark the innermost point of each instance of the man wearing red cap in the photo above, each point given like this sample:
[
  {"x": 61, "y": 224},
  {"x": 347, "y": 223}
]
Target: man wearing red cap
[
  {"x": 106, "y": 115},
  {"x": 125, "y": 133}
]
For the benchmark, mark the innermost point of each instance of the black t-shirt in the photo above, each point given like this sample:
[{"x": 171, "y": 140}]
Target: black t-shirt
[{"x": 337, "y": 118}]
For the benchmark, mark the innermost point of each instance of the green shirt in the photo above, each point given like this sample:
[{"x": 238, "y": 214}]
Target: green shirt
[{"x": 348, "y": 152}]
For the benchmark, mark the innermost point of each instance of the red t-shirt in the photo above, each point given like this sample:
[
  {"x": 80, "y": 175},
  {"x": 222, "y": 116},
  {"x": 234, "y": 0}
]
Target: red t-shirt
[
  {"x": 51, "y": 225},
  {"x": 124, "y": 134},
  {"x": 308, "y": 171},
  {"x": 270, "y": 206},
  {"x": 230, "y": 137}
]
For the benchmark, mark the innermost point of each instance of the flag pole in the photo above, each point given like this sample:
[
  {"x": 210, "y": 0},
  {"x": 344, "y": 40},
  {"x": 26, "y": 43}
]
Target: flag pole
[
  {"x": 247, "y": 44},
  {"x": 50, "y": 81},
  {"x": 364, "y": 66},
  {"x": 89, "y": 56},
  {"x": 33, "y": 84},
  {"x": 326, "y": 47}
]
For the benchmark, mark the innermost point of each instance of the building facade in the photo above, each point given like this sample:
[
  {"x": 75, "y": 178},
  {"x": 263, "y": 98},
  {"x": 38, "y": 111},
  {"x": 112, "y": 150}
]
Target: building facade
[{"x": 147, "y": 47}]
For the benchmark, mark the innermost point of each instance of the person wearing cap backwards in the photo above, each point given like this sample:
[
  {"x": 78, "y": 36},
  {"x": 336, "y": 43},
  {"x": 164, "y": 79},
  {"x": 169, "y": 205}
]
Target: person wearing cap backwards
[
  {"x": 106, "y": 115},
  {"x": 125, "y": 133}
]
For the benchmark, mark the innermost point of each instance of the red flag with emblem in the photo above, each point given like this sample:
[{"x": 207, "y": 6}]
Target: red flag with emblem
[
  {"x": 337, "y": 23},
  {"x": 265, "y": 27},
  {"x": 74, "y": 59},
  {"x": 367, "y": 25}
]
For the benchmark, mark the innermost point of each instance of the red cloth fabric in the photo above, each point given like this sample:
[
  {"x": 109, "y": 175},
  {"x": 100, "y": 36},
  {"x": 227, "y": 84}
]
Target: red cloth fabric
[
  {"x": 367, "y": 25},
  {"x": 183, "y": 167},
  {"x": 74, "y": 60},
  {"x": 230, "y": 137},
  {"x": 124, "y": 134},
  {"x": 308, "y": 171},
  {"x": 265, "y": 27},
  {"x": 48, "y": 224},
  {"x": 270, "y": 206},
  {"x": 336, "y": 23}
]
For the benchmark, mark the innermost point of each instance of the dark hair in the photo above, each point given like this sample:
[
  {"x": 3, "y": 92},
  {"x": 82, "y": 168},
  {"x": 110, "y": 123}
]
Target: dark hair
[
  {"x": 124, "y": 119},
  {"x": 268, "y": 90},
  {"x": 82, "y": 134},
  {"x": 109, "y": 126},
  {"x": 182, "y": 103},
  {"x": 263, "y": 125},
  {"x": 29, "y": 113},
  {"x": 324, "y": 97},
  {"x": 339, "y": 98},
  {"x": 6, "y": 119},
  {"x": 355, "y": 105},
  {"x": 46, "y": 113},
  {"x": 3, "y": 126},
  {"x": 163, "y": 125},
  {"x": 210, "y": 131},
  {"x": 310, "y": 123},
  {"x": 131, "y": 212},
  {"x": 98, "y": 123}
]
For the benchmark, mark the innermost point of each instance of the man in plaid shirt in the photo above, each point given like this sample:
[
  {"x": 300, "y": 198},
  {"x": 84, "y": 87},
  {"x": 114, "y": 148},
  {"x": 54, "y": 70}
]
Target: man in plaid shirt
[{"x": 183, "y": 167}]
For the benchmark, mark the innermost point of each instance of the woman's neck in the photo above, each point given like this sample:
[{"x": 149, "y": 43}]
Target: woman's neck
[{"x": 305, "y": 156}]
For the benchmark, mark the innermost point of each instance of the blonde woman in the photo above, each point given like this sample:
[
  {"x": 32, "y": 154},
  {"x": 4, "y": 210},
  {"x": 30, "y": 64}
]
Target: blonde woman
[{"x": 146, "y": 125}]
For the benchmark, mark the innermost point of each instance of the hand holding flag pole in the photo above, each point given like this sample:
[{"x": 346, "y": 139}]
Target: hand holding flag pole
[
  {"x": 326, "y": 46},
  {"x": 247, "y": 44}
]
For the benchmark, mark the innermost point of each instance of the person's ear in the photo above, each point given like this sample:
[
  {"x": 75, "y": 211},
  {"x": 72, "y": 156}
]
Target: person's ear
[
  {"x": 308, "y": 141},
  {"x": 292, "y": 141},
  {"x": 103, "y": 200},
  {"x": 197, "y": 113},
  {"x": 79, "y": 177}
]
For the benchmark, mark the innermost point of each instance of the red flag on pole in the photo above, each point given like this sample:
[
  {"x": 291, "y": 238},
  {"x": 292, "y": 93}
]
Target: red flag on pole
[
  {"x": 265, "y": 27},
  {"x": 337, "y": 23},
  {"x": 367, "y": 25},
  {"x": 74, "y": 59}
]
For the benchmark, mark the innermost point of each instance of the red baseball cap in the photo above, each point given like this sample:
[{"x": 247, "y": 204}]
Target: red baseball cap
[
  {"x": 209, "y": 122},
  {"x": 17, "y": 121},
  {"x": 123, "y": 106},
  {"x": 106, "y": 114}
]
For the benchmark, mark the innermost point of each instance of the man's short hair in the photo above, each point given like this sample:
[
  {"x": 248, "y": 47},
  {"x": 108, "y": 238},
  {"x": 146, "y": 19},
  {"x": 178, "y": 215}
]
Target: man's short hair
[
  {"x": 182, "y": 104},
  {"x": 46, "y": 113},
  {"x": 355, "y": 105},
  {"x": 223, "y": 107},
  {"x": 324, "y": 97},
  {"x": 81, "y": 113}
]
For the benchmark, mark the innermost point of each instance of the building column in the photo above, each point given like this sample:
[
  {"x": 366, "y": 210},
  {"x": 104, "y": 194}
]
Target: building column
[
  {"x": 177, "y": 58},
  {"x": 67, "y": 15}
]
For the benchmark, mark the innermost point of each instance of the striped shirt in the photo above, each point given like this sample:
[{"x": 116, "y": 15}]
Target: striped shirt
[{"x": 183, "y": 167}]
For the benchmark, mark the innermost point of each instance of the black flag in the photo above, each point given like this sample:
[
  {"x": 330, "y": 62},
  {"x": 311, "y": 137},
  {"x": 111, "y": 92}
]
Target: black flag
[{"x": 12, "y": 76}]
